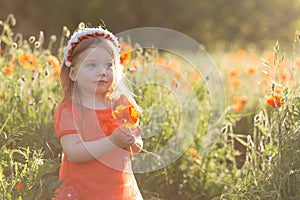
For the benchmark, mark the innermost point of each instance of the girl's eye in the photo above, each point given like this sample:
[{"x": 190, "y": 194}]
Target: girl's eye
[
  {"x": 92, "y": 66},
  {"x": 108, "y": 65}
]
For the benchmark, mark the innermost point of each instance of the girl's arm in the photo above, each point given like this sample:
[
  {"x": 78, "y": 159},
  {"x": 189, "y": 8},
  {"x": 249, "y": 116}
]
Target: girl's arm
[{"x": 80, "y": 151}]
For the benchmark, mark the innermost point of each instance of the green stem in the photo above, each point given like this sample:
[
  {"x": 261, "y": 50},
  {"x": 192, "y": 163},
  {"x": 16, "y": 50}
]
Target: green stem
[
  {"x": 9, "y": 116},
  {"x": 279, "y": 161}
]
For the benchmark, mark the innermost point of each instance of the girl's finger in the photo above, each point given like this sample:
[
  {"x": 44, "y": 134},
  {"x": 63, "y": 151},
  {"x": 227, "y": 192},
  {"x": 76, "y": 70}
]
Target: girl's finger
[
  {"x": 132, "y": 140},
  {"x": 124, "y": 129},
  {"x": 138, "y": 131}
]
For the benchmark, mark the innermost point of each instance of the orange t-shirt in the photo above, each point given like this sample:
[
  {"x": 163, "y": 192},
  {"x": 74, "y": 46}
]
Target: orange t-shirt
[{"x": 106, "y": 178}]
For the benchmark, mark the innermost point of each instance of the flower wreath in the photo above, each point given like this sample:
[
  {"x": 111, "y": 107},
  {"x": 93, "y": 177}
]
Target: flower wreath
[{"x": 86, "y": 33}]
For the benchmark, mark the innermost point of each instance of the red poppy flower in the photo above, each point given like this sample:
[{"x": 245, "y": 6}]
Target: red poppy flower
[
  {"x": 8, "y": 70},
  {"x": 125, "y": 58},
  {"x": 125, "y": 55},
  {"x": 275, "y": 101},
  {"x": 54, "y": 63},
  {"x": 239, "y": 102},
  {"x": 28, "y": 61},
  {"x": 193, "y": 152},
  {"x": 125, "y": 113},
  {"x": 19, "y": 185}
]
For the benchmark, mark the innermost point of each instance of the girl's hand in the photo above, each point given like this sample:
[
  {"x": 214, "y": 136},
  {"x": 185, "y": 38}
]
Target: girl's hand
[
  {"x": 138, "y": 142},
  {"x": 122, "y": 137},
  {"x": 136, "y": 131}
]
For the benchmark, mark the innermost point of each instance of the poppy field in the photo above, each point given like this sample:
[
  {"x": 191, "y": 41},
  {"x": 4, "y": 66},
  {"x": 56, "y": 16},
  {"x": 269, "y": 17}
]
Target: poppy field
[{"x": 256, "y": 154}]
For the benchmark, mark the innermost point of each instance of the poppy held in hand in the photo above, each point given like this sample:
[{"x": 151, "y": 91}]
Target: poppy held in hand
[{"x": 125, "y": 113}]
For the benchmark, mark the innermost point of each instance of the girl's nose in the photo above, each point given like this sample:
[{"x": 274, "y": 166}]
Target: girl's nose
[{"x": 101, "y": 73}]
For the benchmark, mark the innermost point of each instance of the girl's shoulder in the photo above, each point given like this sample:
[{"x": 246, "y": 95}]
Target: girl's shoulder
[
  {"x": 64, "y": 119},
  {"x": 65, "y": 105}
]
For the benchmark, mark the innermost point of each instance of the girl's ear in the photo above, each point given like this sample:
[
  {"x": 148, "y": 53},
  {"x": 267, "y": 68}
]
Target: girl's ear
[{"x": 72, "y": 74}]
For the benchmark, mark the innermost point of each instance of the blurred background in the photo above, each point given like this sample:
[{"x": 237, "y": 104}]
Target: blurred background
[{"x": 218, "y": 24}]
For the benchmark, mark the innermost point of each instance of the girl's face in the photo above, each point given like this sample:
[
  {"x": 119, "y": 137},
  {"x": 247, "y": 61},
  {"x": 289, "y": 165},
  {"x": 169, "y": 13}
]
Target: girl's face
[{"x": 94, "y": 72}]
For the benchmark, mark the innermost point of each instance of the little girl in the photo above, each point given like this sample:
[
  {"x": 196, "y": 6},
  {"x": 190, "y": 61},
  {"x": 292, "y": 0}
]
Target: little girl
[{"x": 96, "y": 147}]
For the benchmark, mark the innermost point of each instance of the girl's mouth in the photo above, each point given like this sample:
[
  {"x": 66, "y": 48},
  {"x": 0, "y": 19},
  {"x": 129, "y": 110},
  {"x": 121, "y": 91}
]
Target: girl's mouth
[{"x": 102, "y": 81}]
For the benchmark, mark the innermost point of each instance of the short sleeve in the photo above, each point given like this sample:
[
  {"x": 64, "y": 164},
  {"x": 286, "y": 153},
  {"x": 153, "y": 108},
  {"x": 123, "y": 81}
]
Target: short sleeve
[{"x": 64, "y": 120}]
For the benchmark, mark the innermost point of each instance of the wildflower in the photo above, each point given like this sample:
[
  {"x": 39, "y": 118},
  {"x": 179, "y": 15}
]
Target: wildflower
[
  {"x": 125, "y": 58},
  {"x": 125, "y": 113},
  {"x": 236, "y": 83},
  {"x": 283, "y": 76},
  {"x": 241, "y": 53},
  {"x": 194, "y": 77},
  {"x": 240, "y": 99},
  {"x": 239, "y": 102},
  {"x": 275, "y": 101},
  {"x": 7, "y": 70},
  {"x": 193, "y": 152},
  {"x": 238, "y": 107},
  {"x": 28, "y": 61},
  {"x": 19, "y": 185},
  {"x": 56, "y": 71},
  {"x": 54, "y": 63},
  {"x": 126, "y": 50},
  {"x": 251, "y": 70},
  {"x": 1, "y": 51},
  {"x": 233, "y": 73}
]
